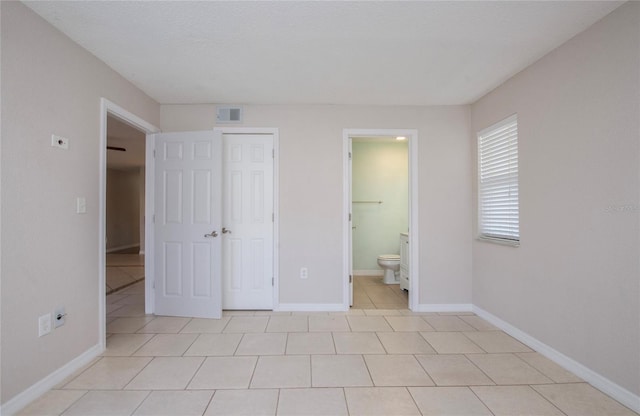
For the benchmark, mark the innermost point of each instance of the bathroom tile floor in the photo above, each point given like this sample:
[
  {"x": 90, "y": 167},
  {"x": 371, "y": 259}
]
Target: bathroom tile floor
[
  {"x": 370, "y": 293},
  {"x": 361, "y": 362}
]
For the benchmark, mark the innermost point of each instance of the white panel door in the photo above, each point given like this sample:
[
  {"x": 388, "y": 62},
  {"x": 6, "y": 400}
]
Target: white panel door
[
  {"x": 247, "y": 233},
  {"x": 188, "y": 173}
]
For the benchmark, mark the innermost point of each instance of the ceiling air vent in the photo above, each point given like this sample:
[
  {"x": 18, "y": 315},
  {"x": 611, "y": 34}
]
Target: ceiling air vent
[{"x": 229, "y": 114}]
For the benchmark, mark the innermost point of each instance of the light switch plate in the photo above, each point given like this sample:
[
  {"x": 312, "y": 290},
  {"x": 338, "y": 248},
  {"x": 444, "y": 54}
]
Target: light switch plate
[{"x": 44, "y": 324}]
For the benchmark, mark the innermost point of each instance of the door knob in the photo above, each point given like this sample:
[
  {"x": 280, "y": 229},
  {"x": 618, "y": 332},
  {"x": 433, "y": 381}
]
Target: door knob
[
  {"x": 214, "y": 233},
  {"x": 225, "y": 231}
]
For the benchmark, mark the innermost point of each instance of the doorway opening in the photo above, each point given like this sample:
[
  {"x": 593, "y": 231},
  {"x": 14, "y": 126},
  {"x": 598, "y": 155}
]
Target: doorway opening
[
  {"x": 125, "y": 190},
  {"x": 128, "y": 228},
  {"x": 381, "y": 226},
  {"x": 379, "y": 218}
]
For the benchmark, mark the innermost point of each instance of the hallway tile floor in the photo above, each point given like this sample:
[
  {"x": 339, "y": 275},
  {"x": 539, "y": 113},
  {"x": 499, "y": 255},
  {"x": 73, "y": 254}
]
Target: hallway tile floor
[
  {"x": 123, "y": 269},
  {"x": 361, "y": 362}
]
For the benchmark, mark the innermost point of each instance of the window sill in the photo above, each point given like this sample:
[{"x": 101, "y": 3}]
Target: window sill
[{"x": 500, "y": 241}]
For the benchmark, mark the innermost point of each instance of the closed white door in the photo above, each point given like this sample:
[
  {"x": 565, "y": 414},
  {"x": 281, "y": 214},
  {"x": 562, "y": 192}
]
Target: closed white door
[
  {"x": 188, "y": 171},
  {"x": 247, "y": 233}
]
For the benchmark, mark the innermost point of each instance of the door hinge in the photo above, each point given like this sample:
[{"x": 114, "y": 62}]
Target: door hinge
[
  {"x": 349, "y": 155},
  {"x": 273, "y": 153},
  {"x": 154, "y": 153},
  {"x": 349, "y": 216},
  {"x": 273, "y": 217},
  {"x": 153, "y": 284},
  {"x": 273, "y": 280},
  {"x": 153, "y": 218},
  {"x": 350, "y": 279}
]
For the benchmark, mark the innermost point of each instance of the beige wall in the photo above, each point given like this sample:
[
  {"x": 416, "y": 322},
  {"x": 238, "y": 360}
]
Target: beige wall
[
  {"x": 123, "y": 208},
  {"x": 311, "y": 191},
  {"x": 574, "y": 281},
  {"x": 50, "y": 85}
]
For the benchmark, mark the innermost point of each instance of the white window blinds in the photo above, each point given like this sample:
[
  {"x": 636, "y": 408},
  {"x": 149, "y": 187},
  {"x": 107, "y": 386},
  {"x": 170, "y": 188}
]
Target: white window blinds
[{"x": 499, "y": 216}]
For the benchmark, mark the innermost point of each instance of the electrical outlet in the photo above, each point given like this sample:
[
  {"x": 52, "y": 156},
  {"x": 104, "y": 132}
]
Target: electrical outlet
[
  {"x": 59, "y": 317},
  {"x": 59, "y": 142},
  {"x": 81, "y": 205},
  {"x": 304, "y": 273},
  {"x": 44, "y": 324}
]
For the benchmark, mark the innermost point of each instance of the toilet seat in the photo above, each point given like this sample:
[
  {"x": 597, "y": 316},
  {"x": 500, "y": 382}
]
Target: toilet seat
[{"x": 389, "y": 257}]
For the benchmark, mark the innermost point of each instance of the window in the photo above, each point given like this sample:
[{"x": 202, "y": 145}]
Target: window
[{"x": 498, "y": 212}]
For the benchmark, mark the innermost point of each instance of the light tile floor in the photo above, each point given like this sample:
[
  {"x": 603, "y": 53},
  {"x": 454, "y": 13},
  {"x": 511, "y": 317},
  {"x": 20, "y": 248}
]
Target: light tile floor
[
  {"x": 370, "y": 293},
  {"x": 363, "y": 362},
  {"x": 123, "y": 270}
]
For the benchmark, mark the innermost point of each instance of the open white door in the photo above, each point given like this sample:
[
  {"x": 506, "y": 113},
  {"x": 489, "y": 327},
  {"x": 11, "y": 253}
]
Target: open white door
[
  {"x": 188, "y": 172},
  {"x": 247, "y": 264}
]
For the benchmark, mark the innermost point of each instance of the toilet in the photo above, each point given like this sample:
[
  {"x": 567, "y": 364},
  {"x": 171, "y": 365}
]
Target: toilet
[{"x": 390, "y": 263}]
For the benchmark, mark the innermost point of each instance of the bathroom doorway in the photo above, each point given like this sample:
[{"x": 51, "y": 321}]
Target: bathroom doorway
[{"x": 380, "y": 184}]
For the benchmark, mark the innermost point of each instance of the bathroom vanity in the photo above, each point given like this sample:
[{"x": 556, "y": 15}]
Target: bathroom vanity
[{"x": 404, "y": 261}]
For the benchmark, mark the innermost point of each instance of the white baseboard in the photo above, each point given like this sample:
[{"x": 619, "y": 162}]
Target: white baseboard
[
  {"x": 41, "y": 387},
  {"x": 112, "y": 249},
  {"x": 444, "y": 307},
  {"x": 368, "y": 272},
  {"x": 598, "y": 381},
  {"x": 310, "y": 307}
]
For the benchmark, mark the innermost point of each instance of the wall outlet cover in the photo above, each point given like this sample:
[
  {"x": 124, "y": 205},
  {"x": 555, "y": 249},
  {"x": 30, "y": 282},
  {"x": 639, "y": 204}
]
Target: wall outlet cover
[
  {"x": 81, "y": 205},
  {"x": 59, "y": 317},
  {"x": 59, "y": 142}
]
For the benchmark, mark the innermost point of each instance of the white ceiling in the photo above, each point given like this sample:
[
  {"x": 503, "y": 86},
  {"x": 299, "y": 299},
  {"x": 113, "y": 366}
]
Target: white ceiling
[{"x": 320, "y": 52}]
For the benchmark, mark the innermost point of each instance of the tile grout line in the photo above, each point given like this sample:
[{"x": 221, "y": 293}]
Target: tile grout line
[
  {"x": 142, "y": 402},
  {"x": 480, "y": 399},
  {"x": 186, "y": 387}
]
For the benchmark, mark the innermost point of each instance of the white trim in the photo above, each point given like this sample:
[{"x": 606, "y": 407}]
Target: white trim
[
  {"x": 414, "y": 228},
  {"x": 414, "y": 247},
  {"x": 444, "y": 307},
  {"x": 368, "y": 272},
  {"x": 598, "y": 381},
  {"x": 36, "y": 390},
  {"x": 149, "y": 229},
  {"x": 112, "y": 249},
  {"x": 275, "y": 132},
  {"x": 501, "y": 241},
  {"x": 109, "y": 108},
  {"x": 311, "y": 307}
]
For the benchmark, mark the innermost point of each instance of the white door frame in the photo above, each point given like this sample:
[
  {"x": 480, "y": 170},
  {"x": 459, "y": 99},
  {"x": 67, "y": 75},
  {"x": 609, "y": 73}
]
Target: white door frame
[
  {"x": 414, "y": 264},
  {"x": 218, "y": 132},
  {"x": 114, "y": 110}
]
